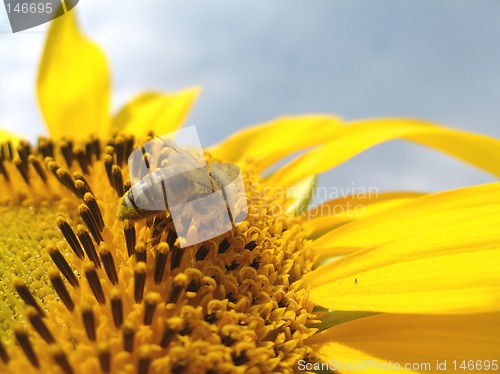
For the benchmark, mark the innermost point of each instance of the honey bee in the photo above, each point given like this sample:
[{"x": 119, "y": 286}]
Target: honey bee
[{"x": 202, "y": 199}]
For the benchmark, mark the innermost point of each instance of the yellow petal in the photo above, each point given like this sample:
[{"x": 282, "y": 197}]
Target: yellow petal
[
  {"x": 6, "y": 136},
  {"x": 160, "y": 113},
  {"x": 337, "y": 212},
  {"x": 435, "y": 254},
  {"x": 269, "y": 142},
  {"x": 73, "y": 82},
  {"x": 300, "y": 194},
  {"x": 480, "y": 151},
  {"x": 422, "y": 343}
]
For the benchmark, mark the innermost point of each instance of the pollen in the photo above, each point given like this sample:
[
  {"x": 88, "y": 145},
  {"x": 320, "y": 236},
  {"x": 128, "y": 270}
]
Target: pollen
[{"x": 82, "y": 291}]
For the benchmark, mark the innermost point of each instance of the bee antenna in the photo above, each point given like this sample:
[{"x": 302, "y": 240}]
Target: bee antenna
[
  {"x": 188, "y": 156},
  {"x": 170, "y": 144}
]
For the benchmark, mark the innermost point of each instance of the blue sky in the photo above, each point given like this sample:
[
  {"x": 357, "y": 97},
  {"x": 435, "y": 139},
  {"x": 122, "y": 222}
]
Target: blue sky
[{"x": 257, "y": 60}]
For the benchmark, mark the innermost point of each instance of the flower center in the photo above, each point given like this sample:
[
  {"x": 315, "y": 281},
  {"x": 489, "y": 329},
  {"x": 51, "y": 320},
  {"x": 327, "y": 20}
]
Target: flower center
[{"x": 87, "y": 291}]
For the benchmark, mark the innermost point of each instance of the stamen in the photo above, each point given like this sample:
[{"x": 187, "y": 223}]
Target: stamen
[
  {"x": 66, "y": 180},
  {"x": 176, "y": 258},
  {"x": 62, "y": 265},
  {"x": 109, "y": 148},
  {"x": 210, "y": 318},
  {"x": 255, "y": 263},
  {"x": 24, "y": 342},
  {"x": 90, "y": 149},
  {"x": 232, "y": 266},
  {"x": 9, "y": 153},
  {"x": 140, "y": 252},
  {"x": 94, "y": 282},
  {"x": 3, "y": 171},
  {"x": 129, "y": 146},
  {"x": 160, "y": 261},
  {"x": 171, "y": 238},
  {"x": 116, "y": 173},
  {"x": 3, "y": 354},
  {"x": 88, "y": 246},
  {"x": 108, "y": 262},
  {"x": 151, "y": 300},
  {"x": 180, "y": 281},
  {"x": 172, "y": 326},
  {"x": 202, "y": 252},
  {"x": 77, "y": 176},
  {"x": 66, "y": 148},
  {"x": 159, "y": 225},
  {"x": 80, "y": 188},
  {"x": 91, "y": 203},
  {"x": 119, "y": 150},
  {"x": 130, "y": 236},
  {"x": 186, "y": 330},
  {"x": 36, "y": 321},
  {"x": 139, "y": 281},
  {"x": 90, "y": 222},
  {"x": 23, "y": 169},
  {"x": 96, "y": 147},
  {"x": 26, "y": 295},
  {"x": 46, "y": 147},
  {"x": 179, "y": 367},
  {"x": 89, "y": 321},
  {"x": 61, "y": 290},
  {"x": 23, "y": 150},
  {"x": 104, "y": 352},
  {"x": 127, "y": 185},
  {"x": 5, "y": 151},
  {"x": 116, "y": 307},
  {"x": 37, "y": 165},
  {"x": 108, "y": 164},
  {"x": 224, "y": 246},
  {"x": 145, "y": 359},
  {"x": 227, "y": 340},
  {"x": 194, "y": 285},
  {"x": 128, "y": 336},
  {"x": 51, "y": 165},
  {"x": 251, "y": 245},
  {"x": 61, "y": 359},
  {"x": 240, "y": 359},
  {"x": 82, "y": 159},
  {"x": 70, "y": 237}
]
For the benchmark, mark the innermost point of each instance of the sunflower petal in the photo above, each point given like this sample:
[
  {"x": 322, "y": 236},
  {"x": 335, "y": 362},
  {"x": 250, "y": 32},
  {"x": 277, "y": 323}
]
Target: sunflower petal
[
  {"x": 267, "y": 143},
  {"x": 301, "y": 194},
  {"x": 6, "y": 136},
  {"x": 436, "y": 254},
  {"x": 324, "y": 217},
  {"x": 336, "y": 317},
  {"x": 73, "y": 82},
  {"x": 480, "y": 151},
  {"x": 430, "y": 344},
  {"x": 160, "y": 113}
]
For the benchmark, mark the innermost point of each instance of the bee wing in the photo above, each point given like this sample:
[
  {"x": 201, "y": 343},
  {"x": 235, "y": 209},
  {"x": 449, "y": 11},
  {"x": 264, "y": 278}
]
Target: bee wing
[
  {"x": 224, "y": 173},
  {"x": 181, "y": 157},
  {"x": 228, "y": 178},
  {"x": 186, "y": 186}
]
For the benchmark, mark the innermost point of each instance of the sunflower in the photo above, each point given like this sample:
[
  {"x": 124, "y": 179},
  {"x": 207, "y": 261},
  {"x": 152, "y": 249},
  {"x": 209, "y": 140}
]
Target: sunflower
[{"x": 409, "y": 282}]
